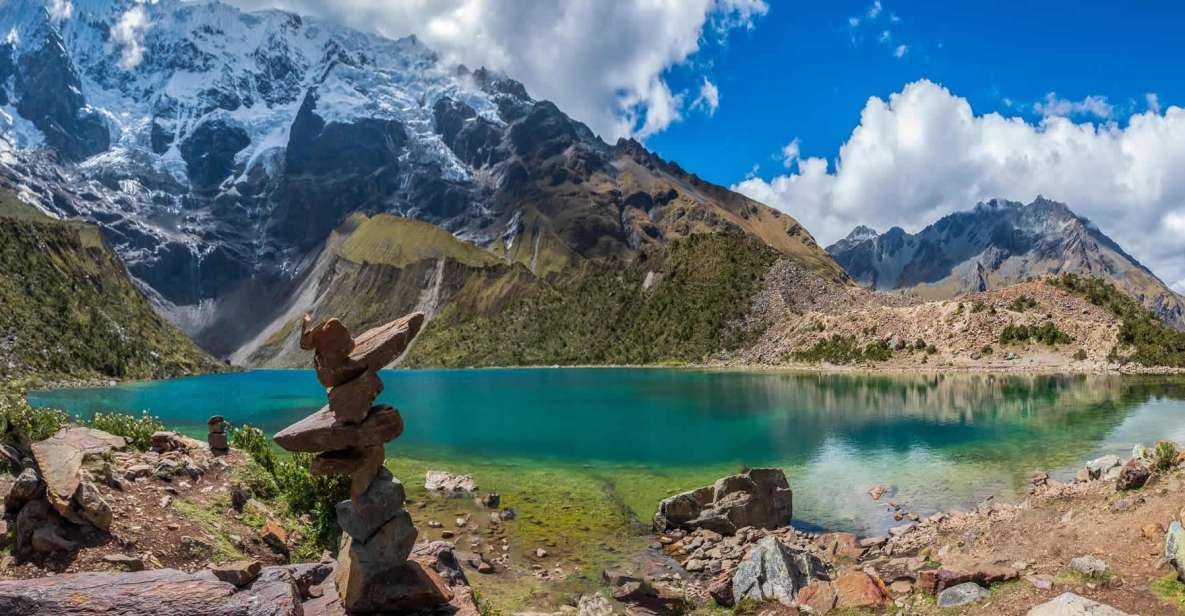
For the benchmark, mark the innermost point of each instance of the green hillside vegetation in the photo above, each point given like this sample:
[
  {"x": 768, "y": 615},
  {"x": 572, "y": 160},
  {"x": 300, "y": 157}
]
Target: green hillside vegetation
[
  {"x": 1143, "y": 338},
  {"x": 399, "y": 242},
  {"x": 601, "y": 312},
  {"x": 70, "y": 309}
]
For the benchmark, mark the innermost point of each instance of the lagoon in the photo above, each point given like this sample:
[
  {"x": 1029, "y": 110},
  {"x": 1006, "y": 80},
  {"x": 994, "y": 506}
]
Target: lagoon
[{"x": 940, "y": 442}]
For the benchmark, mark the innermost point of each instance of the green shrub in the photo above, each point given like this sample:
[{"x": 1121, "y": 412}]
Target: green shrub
[
  {"x": 844, "y": 350},
  {"x": 919, "y": 345},
  {"x": 1080, "y": 355},
  {"x": 1164, "y": 456},
  {"x": 987, "y": 350},
  {"x": 256, "y": 444},
  {"x": 22, "y": 425},
  {"x": 136, "y": 429},
  {"x": 1046, "y": 333},
  {"x": 931, "y": 350},
  {"x": 1143, "y": 338},
  {"x": 1022, "y": 303},
  {"x": 258, "y": 481},
  {"x": 978, "y": 307}
]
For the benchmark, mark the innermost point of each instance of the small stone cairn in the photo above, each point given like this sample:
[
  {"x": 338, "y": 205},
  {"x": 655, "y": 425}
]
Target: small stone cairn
[
  {"x": 373, "y": 573},
  {"x": 216, "y": 435}
]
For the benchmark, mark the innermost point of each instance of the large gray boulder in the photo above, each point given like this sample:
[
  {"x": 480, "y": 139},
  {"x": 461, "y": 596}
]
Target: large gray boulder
[
  {"x": 761, "y": 498},
  {"x": 774, "y": 572},
  {"x": 1070, "y": 604},
  {"x": 1174, "y": 548}
]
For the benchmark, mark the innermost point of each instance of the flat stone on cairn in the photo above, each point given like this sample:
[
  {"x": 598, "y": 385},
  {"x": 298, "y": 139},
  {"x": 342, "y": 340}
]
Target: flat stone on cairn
[
  {"x": 216, "y": 435},
  {"x": 374, "y": 573}
]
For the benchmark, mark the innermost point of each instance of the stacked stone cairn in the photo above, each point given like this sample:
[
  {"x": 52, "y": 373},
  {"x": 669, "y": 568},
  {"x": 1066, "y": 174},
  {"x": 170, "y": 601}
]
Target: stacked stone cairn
[
  {"x": 348, "y": 434},
  {"x": 216, "y": 435}
]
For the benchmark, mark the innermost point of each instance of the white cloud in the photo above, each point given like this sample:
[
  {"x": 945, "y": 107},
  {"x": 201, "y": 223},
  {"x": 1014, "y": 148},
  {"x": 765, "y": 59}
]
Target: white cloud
[
  {"x": 708, "y": 99},
  {"x": 874, "y": 10},
  {"x": 602, "y": 61},
  {"x": 59, "y": 10},
  {"x": 900, "y": 51},
  {"x": 127, "y": 33},
  {"x": 871, "y": 19},
  {"x": 924, "y": 153},
  {"x": 1091, "y": 105},
  {"x": 1153, "y": 102},
  {"x": 790, "y": 153}
]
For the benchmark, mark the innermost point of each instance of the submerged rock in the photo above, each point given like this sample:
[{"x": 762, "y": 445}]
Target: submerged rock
[
  {"x": 760, "y": 498},
  {"x": 448, "y": 483}
]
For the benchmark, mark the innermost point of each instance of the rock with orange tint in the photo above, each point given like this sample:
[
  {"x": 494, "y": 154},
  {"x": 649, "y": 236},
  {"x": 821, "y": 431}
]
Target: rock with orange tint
[
  {"x": 320, "y": 432},
  {"x": 376, "y": 348},
  {"x": 857, "y": 589},
  {"x": 350, "y": 401},
  {"x": 818, "y": 597}
]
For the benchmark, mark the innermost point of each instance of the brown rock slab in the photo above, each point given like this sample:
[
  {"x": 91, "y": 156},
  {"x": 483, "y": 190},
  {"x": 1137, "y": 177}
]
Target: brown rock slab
[
  {"x": 60, "y": 463},
  {"x": 332, "y": 344},
  {"x": 320, "y": 432},
  {"x": 934, "y": 581},
  {"x": 378, "y": 347},
  {"x": 274, "y": 536},
  {"x": 239, "y": 573},
  {"x": 856, "y": 589},
  {"x": 405, "y": 587},
  {"x": 819, "y": 596},
  {"x": 215, "y": 424},
  {"x": 144, "y": 593},
  {"x": 217, "y": 441},
  {"x": 351, "y": 401}
]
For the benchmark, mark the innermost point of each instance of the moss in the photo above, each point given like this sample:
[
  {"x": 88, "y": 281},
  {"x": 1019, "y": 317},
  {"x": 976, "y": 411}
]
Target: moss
[
  {"x": 1170, "y": 590},
  {"x": 210, "y": 519}
]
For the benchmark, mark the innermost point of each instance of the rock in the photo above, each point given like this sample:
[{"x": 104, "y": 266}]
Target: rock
[
  {"x": 440, "y": 557},
  {"x": 818, "y": 597},
  {"x": 217, "y": 441},
  {"x": 1089, "y": 566},
  {"x": 1133, "y": 475},
  {"x": 319, "y": 432},
  {"x": 274, "y": 536},
  {"x": 1174, "y": 548},
  {"x": 720, "y": 589},
  {"x": 490, "y": 501},
  {"x": 239, "y": 573},
  {"x": 642, "y": 593},
  {"x": 195, "y": 548},
  {"x": 306, "y": 576},
  {"x": 594, "y": 604},
  {"x": 60, "y": 462},
  {"x": 877, "y": 491},
  {"x": 362, "y": 517},
  {"x": 137, "y": 471},
  {"x": 901, "y": 587},
  {"x": 962, "y": 594},
  {"x": 163, "y": 441},
  {"x": 238, "y": 496},
  {"x": 125, "y": 562},
  {"x": 216, "y": 425},
  {"x": 1099, "y": 466},
  {"x": 406, "y": 587},
  {"x": 362, "y": 464},
  {"x": 27, "y": 486},
  {"x": 350, "y": 401},
  {"x": 934, "y": 581},
  {"x": 507, "y": 514},
  {"x": 760, "y": 498},
  {"x": 1040, "y": 581},
  {"x": 441, "y": 481},
  {"x": 773, "y": 572},
  {"x": 856, "y": 589},
  {"x": 49, "y": 539},
  {"x": 145, "y": 593},
  {"x": 540, "y": 553},
  {"x": 376, "y": 348},
  {"x": 1070, "y": 604},
  {"x": 89, "y": 506},
  {"x": 332, "y": 344},
  {"x": 841, "y": 545}
]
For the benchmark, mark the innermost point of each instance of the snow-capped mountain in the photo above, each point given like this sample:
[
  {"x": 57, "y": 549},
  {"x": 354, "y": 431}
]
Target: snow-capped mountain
[
  {"x": 218, "y": 149},
  {"x": 995, "y": 244}
]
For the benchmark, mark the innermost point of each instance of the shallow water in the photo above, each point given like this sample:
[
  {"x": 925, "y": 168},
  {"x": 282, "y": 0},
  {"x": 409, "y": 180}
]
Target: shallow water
[{"x": 940, "y": 442}]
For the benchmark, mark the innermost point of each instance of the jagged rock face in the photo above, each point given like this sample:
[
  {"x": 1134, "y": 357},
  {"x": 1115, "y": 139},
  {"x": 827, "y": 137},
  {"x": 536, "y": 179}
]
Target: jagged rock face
[
  {"x": 996, "y": 244},
  {"x": 218, "y": 160}
]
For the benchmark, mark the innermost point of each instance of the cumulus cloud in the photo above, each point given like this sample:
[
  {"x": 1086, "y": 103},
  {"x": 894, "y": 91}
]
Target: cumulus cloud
[
  {"x": 1153, "y": 102},
  {"x": 900, "y": 51},
  {"x": 127, "y": 35},
  {"x": 708, "y": 99},
  {"x": 790, "y": 153},
  {"x": 1096, "y": 106},
  {"x": 602, "y": 61},
  {"x": 924, "y": 153}
]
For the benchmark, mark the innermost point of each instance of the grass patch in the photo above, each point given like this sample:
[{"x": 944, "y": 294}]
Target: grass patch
[
  {"x": 210, "y": 520},
  {"x": 1169, "y": 590}
]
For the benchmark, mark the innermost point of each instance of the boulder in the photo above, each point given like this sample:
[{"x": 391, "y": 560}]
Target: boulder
[
  {"x": 638, "y": 592},
  {"x": 60, "y": 458},
  {"x": 1133, "y": 475},
  {"x": 144, "y": 593},
  {"x": 448, "y": 483},
  {"x": 1089, "y": 566},
  {"x": 274, "y": 535},
  {"x": 217, "y": 441},
  {"x": 125, "y": 562},
  {"x": 1070, "y": 604},
  {"x": 774, "y": 572},
  {"x": 376, "y": 348},
  {"x": 934, "y": 581},
  {"x": 760, "y": 498},
  {"x": 720, "y": 589},
  {"x": 818, "y": 597},
  {"x": 320, "y": 431},
  {"x": 27, "y": 486},
  {"x": 89, "y": 506},
  {"x": 362, "y": 517},
  {"x": 1174, "y": 548},
  {"x": 239, "y": 573},
  {"x": 390, "y": 545},
  {"x": 855, "y": 589},
  {"x": 962, "y": 594},
  {"x": 405, "y": 588}
]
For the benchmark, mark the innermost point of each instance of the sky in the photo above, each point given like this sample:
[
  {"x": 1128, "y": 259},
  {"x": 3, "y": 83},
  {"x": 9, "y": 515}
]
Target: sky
[{"x": 857, "y": 112}]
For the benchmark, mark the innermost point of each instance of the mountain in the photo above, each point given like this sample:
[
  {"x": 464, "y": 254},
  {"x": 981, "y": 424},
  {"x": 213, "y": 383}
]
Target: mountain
[
  {"x": 70, "y": 308},
  {"x": 224, "y": 154},
  {"x": 996, "y": 244}
]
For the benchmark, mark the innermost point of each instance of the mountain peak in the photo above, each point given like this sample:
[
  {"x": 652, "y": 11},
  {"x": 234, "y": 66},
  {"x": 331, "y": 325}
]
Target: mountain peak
[{"x": 861, "y": 233}]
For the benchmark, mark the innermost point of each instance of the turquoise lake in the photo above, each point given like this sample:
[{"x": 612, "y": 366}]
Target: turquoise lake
[{"x": 940, "y": 442}]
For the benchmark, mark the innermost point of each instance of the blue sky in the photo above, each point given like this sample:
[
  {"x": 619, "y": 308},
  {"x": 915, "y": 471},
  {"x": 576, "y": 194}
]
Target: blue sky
[{"x": 803, "y": 71}]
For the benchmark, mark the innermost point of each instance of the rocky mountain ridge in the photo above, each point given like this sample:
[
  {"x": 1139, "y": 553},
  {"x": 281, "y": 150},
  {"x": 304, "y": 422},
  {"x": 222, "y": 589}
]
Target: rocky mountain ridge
[
  {"x": 996, "y": 244},
  {"x": 218, "y": 149}
]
